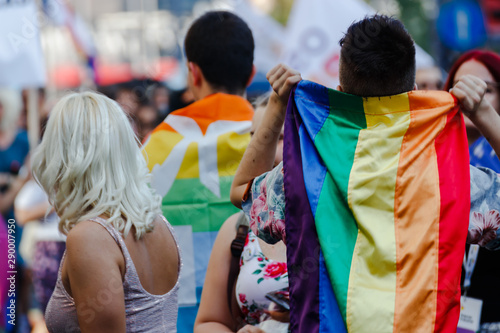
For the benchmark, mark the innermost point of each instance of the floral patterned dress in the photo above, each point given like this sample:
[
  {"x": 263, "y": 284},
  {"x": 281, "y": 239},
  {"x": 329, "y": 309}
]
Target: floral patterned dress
[{"x": 258, "y": 276}]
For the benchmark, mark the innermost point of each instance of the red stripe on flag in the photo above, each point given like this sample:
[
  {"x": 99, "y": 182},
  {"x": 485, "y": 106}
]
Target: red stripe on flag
[{"x": 454, "y": 180}]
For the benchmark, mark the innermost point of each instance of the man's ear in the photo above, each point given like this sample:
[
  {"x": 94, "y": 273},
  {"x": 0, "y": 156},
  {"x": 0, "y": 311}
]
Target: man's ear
[
  {"x": 339, "y": 88},
  {"x": 196, "y": 74},
  {"x": 250, "y": 78}
]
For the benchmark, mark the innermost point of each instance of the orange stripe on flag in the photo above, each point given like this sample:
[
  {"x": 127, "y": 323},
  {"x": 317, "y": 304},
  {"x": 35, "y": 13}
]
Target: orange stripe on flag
[
  {"x": 417, "y": 226},
  {"x": 222, "y": 107},
  {"x": 163, "y": 127}
]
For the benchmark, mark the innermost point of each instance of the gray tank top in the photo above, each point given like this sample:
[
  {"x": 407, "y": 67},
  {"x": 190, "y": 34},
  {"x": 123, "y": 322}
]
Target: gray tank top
[{"x": 145, "y": 312}]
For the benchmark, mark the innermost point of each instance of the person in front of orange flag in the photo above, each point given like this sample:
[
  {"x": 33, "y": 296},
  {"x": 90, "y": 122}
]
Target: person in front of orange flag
[{"x": 193, "y": 155}]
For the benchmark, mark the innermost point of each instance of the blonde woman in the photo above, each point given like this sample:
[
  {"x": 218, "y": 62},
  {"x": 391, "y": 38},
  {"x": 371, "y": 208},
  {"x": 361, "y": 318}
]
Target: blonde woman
[{"x": 121, "y": 267}]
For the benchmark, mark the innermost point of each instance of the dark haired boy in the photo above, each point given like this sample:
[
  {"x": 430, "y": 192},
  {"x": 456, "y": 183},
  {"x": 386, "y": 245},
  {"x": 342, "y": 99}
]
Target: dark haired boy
[
  {"x": 194, "y": 153},
  {"x": 377, "y": 246}
]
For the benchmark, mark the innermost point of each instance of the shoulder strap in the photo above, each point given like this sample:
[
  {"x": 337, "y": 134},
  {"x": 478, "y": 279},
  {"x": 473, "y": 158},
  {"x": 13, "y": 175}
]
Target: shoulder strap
[
  {"x": 109, "y": 229},
  {"x": 237, "y": 246}
]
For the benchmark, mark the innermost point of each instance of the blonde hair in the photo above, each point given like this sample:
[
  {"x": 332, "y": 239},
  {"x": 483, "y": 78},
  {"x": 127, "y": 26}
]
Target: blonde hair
[
  {"x": 89, "y": 163},
  {"x": 12, "y": 104}
]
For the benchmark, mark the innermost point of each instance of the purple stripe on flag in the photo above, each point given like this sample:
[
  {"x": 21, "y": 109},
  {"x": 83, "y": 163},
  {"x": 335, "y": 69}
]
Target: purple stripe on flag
[
  {"x": 463, "y": 330},
  {"x": 302, "y": 240}
]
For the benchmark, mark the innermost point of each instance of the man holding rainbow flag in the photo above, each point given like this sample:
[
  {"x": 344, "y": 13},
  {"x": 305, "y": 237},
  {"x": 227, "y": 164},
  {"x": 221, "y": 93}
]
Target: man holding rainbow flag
[
  {"x": 194, "y": 153},
  {"x": 375, "y": 188}
]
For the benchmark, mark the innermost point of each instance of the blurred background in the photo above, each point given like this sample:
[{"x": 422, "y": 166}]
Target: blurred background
[
  {"x": 104, "y": 44},
  {"x": 129, "y": 48}
]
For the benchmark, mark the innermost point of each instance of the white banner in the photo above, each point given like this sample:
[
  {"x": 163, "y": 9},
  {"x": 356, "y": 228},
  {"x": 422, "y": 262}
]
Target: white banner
[
  {"x": 313, "y": 33},
  {"x": 61, "y": 14},
  {"x": 21, "y": 58},
  {"x": 267, "y": 33}
]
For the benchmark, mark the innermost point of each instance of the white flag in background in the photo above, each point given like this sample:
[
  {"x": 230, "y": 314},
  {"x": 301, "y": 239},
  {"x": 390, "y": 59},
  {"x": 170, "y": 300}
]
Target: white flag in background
[
  {"x": 313, "y": 33},
  {"x": 21, "y": 58},
  {"x": 267, "y": 33},
  {"x": 62, "y": 14}
]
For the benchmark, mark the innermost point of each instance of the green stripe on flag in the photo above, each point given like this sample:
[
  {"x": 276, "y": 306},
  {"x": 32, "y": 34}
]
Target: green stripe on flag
[
  {"x": 190, "y": 203},
  {"x": 337, "y": 229}
]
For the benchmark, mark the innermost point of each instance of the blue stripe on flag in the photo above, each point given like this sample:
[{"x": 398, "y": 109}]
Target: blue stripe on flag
[
  {"x": 314, "y": 169},
  {"x": 202, "y": 245},
  {"x": 330, "y": 318}
]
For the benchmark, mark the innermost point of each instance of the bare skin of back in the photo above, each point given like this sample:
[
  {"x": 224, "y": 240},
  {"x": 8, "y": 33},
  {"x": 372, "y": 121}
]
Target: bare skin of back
[{"x": 94, "y": 267}]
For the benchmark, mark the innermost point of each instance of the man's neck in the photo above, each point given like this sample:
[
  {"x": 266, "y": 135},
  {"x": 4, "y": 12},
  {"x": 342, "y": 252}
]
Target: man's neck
[{"x": 206, "y": 90}]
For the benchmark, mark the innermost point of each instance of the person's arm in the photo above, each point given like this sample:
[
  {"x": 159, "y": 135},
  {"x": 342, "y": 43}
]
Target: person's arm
[
  {"x": 95, "y": 280},
  {"x": 484, "y": 219},
  {"x": 470, "y": 91},
  {"x": 34, "y": 213},
  {"x": 213, "y": 314},
  {"x": 260, "y": 154},
  {"x": 7, "y": 198}
]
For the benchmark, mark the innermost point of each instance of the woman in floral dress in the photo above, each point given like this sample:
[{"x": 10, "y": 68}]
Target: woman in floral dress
[{"x": 262, "y": 270}]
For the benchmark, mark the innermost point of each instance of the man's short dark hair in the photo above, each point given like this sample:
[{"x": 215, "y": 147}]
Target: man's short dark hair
[
  {"x": 377, "y": 58},
  {"x": 222, "y": 45}
]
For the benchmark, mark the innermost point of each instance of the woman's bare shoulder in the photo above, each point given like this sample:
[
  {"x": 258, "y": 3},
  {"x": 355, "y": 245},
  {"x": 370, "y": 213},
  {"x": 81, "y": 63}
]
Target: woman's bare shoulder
[{"x": 91, "y": 239}]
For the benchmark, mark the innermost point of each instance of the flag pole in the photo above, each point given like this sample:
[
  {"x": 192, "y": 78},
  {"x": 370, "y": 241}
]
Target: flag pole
[{"x": 33, "y": 118}]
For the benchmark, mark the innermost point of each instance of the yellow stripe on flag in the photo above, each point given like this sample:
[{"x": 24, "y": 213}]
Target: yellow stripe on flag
[
  {"x": 230, "y": 149},
  {"x": 372, "y": 282},
  {"x": 190, "y": 167},
  {"x": 159, "y": 146}
]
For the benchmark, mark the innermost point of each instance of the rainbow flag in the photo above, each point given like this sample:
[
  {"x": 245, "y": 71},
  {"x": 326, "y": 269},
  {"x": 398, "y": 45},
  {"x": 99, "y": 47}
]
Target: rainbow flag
[
  {"x": 193, "y": 156},
  {"x": 379, "y": 245}
]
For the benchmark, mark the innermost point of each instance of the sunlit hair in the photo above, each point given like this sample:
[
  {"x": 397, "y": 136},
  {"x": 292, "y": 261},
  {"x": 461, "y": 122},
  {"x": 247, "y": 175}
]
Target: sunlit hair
[
  {"x": 90, "y": 164},
  {"x": 12, "y": 104}
]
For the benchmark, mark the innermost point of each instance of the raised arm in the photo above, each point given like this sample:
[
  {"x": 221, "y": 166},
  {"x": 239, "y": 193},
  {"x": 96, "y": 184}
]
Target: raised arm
[
  {"x": 470, "y": 91},
  {"x": 484, "y": 220},
  {"x": 33, "y": 213},
  {"x": 260, "y": 154}
]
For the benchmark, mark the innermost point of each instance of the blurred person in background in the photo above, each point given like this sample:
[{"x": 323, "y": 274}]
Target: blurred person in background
[
  {"x": 180, "y": 99},
  {"x": 127, "y": 99},
  {"x": 41, "y": 245},
  {"x": 194, "y": 182},
  {"x": 14, "y": 149},
  {"x": 486, "y": 66},
  {"x": 46, "y": 243},
  {"x": 147, "y": 119},
  {"x": 248, "y": 305},
  {"x": 161, "y": 100},
  {"x": 41, "y": 100},
  {"x": 429, "y": 78},
  {"x": 90, "y": 165},
  {"x": 486, "y": 273}
]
